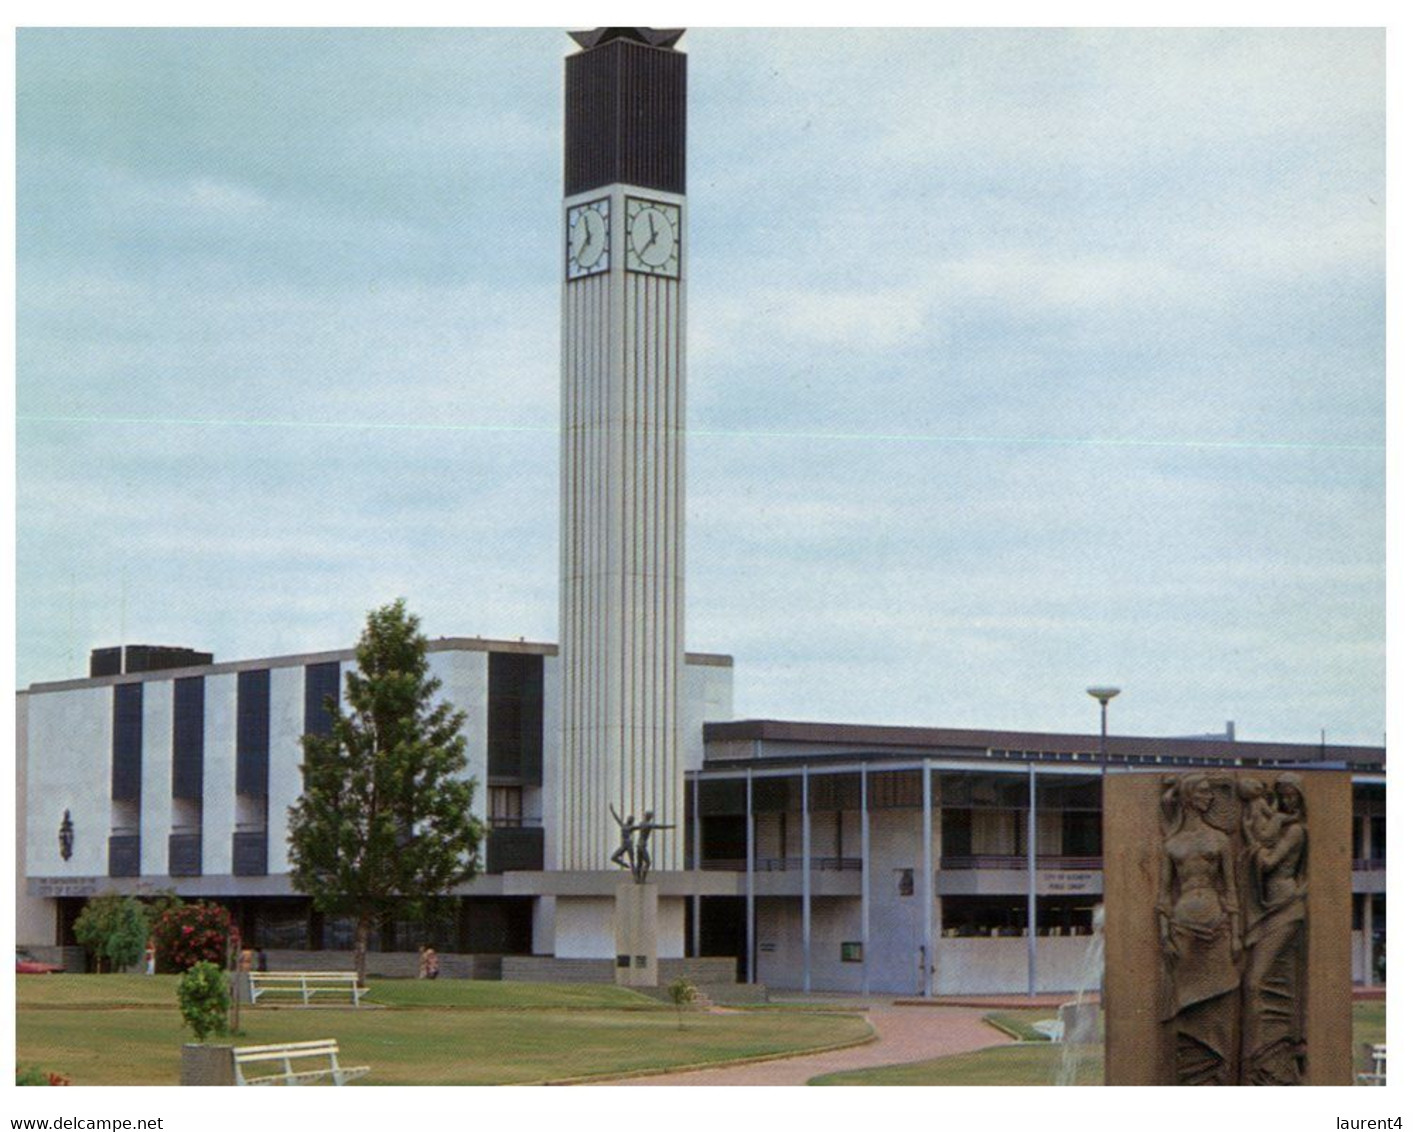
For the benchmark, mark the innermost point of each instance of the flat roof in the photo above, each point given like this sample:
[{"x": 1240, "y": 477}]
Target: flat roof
[
  {"x": 877, "y": 735},
  {"x": 293, "y": 660}
]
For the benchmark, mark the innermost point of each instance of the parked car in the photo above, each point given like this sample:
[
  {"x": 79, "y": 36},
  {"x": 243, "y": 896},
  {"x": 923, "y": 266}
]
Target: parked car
[{"x": 27, "y": 964}]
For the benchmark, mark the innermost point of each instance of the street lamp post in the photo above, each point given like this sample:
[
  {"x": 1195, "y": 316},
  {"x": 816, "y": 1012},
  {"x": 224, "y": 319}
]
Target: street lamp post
[{"x": 1103, "y": 695}]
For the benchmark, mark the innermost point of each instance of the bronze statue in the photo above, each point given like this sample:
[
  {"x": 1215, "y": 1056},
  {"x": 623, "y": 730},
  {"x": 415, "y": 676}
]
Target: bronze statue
[
  {"x": 623, "y": 855},
  {"x": 1273, "y": 1015},
  {"x": 1199, "y": 926},
  {"x": 644, "y": 863},
  {"x": 632, "y": 852}
]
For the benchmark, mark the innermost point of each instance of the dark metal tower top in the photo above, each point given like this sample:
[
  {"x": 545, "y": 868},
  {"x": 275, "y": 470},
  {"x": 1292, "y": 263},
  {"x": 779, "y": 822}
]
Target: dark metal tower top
[
  {"x": 653, "y": 37},
  {"x": 625, "y": 110}
]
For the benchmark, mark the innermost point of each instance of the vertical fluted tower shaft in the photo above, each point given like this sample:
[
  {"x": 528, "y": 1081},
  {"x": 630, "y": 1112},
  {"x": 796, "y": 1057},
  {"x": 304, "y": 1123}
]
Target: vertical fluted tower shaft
[{"x": 622, "y": 450}]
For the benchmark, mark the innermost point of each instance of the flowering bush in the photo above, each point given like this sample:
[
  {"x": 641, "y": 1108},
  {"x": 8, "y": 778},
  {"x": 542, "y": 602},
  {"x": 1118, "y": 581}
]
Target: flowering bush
[
  {"x": 191, "y": 934},
  {"x": 205, "y": 999},
  {"x": 34, "y": 1076}
]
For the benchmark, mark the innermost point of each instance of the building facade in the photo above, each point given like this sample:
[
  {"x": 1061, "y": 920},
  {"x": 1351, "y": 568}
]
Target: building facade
[{"x": 817, "y": 856}]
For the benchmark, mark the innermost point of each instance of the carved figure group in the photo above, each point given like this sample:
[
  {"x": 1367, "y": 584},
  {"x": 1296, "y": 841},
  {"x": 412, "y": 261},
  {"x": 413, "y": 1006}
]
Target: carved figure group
[
  {"x": 632, "y": 852},
  {"x": 1232, "y": 926}
]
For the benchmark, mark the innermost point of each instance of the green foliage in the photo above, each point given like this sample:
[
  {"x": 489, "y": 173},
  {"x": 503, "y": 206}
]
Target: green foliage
[
  {"x": 205, "y": 1000},
  {"x": 1021, "y": 1025},
  {"x": 114, "y": 929},
  {"x": 187, "y": 934},
  {"x": 385, "y": 820},
  {"x": 36, "y": 1076},
  {"x": 683, "y": 994}
]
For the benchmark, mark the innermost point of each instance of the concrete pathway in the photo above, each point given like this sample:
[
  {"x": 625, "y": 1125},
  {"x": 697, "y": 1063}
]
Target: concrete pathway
[{"x": 904, "y": 1034}]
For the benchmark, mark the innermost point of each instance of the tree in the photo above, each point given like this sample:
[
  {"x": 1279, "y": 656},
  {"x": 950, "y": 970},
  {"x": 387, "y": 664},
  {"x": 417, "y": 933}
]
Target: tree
[
  {"x": 114, "y": 928},
  {"x": 683, "y": 994},
  {"x": 385, "y": 819}
]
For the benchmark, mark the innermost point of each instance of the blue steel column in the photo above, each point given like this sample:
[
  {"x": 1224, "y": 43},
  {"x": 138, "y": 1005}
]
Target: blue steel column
[
  {"x": 929, "y": 885},
  {"x": 863, "y": 886},
  {"x": 750, "y": 879},
  {"x": 805, "y": 888},
  {"x": 1030, "y": 943}
]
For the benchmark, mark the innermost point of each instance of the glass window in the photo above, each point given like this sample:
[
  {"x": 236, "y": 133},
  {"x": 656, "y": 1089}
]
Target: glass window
[{"x": 506, "y": 803}]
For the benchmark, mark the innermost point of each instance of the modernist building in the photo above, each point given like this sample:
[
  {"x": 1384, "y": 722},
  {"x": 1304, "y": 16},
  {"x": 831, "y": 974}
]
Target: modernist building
[{"x": 815, "y": 856}]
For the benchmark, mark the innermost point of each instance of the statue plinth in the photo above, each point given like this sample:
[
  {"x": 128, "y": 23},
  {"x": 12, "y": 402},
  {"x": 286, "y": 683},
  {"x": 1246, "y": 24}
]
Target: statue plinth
[{"x": 635, "y": 935}]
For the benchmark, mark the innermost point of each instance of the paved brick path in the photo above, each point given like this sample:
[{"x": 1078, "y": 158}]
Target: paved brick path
[{"x": 904, "y": 1034}]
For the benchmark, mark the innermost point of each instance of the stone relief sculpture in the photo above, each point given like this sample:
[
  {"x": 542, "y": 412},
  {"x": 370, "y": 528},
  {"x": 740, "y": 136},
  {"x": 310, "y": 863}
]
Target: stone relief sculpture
[
  {"x": 1199, "y": 926},
  {"x": 1232, "y": 926},
  {"x": 1273, "y": 1017}
]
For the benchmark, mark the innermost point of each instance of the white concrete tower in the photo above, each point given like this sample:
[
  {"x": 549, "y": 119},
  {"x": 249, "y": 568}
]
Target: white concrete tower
[{"x": 621, "y": 481}]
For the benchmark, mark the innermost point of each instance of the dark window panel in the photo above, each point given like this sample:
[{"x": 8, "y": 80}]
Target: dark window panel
[
  {"x": 188, "y": 737},
  {"x": 515, "y": 717},
  {"x": 321, "y": 683},
  {"x": 895, "y": 789},
  {"x": 834, "y": 791},
  {"x": 184, "y": 855},
  {"x": 253, "y": 732},
  {"x": 956, "y": 833},
  {"x": 775, "y": 795},
  {"x": 127, "y": 742},
  {"x": 517, "y": 850},
  {"x": 249, "y": 854},
  {"x": 723, "y": 796},
  {"x": 124, "y": 855}
]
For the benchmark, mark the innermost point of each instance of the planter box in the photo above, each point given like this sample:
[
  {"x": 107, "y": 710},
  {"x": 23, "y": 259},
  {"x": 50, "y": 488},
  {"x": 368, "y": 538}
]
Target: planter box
[{"x": 207, "y": 1065}]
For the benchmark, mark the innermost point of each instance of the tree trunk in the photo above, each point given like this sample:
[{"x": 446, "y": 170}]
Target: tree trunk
[{"x": 360, "y": 946}]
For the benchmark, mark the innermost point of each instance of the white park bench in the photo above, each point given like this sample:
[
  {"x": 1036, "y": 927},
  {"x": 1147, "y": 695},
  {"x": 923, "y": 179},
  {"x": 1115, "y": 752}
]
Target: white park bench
[
  {"x": 305, "y": 984},
  {"x": 294, "y": 1063},
  {"x": 1377, "y": 1073}
]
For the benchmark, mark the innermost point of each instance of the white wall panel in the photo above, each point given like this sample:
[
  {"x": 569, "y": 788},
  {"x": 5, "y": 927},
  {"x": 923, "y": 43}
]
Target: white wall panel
[
  {"x": 156, "y": 821},
  {"x": 286, "y": 781},
  {"x": 218, "y": 805},
  {"x": 70, "y": 768}
]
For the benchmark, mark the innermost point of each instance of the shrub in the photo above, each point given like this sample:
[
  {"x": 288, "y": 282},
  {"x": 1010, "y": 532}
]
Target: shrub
[
  {"x": 683, "y": 994},
  {"x": 33, "y": 1076},
  {"x": 114, "y": 930},
  {"x": 205, "y": 999},
  {"x": 194, "y": 933}
]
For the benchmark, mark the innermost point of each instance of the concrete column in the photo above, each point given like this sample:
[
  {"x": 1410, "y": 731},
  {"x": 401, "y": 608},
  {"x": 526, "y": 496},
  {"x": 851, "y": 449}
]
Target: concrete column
[
  {"x": 750, "y": 880},
  {"x": 864, "y": 907},
  {"x": 929, "y": 884},
  {"x": 697, "y": 866},
  {"x": 805, "y": 872},
  {"x": 1030, "y": 916},
  {"x": 1368, "y": 938}
]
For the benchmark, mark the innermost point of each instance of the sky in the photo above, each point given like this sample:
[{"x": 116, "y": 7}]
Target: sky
[{"x": 1018, "y": 361}]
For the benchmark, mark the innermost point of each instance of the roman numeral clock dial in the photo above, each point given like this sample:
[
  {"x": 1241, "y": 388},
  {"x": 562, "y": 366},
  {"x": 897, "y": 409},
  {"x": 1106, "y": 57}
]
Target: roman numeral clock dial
[{"x": 653, "y": 237}]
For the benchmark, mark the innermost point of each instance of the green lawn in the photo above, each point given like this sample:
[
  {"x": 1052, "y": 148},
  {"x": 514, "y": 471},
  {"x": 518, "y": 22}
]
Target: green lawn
[
  {"x": 113, "y": 1029},
  {"x": 1034, "y": 1063},
  {"x": 1020, "y": 1024}
]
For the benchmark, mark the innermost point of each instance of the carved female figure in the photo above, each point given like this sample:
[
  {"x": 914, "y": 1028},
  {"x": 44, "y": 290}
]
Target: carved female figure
[
  {"x": 1273, "y": 1022},
  {"x": 1199, "y": 926}
]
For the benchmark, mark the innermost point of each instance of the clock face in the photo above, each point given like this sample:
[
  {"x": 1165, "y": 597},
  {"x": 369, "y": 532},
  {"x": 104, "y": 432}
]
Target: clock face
[
  {"x": 654, "y": 237},
  {"x": 587, "y": 250}
]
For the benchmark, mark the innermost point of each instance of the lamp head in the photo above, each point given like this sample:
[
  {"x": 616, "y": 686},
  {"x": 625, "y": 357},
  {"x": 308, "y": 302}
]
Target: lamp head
[{"x": 1103, "y": 694}]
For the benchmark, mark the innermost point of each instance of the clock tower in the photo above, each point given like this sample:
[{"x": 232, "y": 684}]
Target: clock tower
[{"x": 623, "y": 416}]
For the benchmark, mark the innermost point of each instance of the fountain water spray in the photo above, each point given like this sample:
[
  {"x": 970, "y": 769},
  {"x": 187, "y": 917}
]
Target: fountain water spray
[{"x": 1080, "y": 1030}]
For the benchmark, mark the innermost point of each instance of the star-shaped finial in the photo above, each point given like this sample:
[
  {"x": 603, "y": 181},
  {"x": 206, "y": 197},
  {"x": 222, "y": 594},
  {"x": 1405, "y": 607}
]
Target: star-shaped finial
[{"x": 653, "y": 37}]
